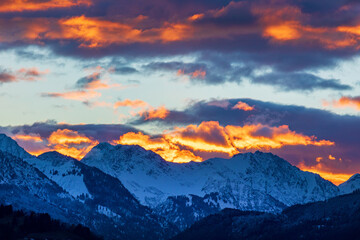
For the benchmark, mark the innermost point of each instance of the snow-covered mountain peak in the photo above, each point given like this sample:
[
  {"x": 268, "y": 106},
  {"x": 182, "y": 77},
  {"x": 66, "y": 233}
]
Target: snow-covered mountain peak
[
  {"x": 352, "y": 184},
  {"x": 236, "y": 180},
  {"x": 55, "y": 157},
  {"x": 354, "y": 177},
  {"x": 8, "y": 145},
  {"x": 121, "y": 155}
]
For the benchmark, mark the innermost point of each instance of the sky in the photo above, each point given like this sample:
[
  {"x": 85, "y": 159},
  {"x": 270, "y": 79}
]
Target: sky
[{"x": 189, "y": 80}]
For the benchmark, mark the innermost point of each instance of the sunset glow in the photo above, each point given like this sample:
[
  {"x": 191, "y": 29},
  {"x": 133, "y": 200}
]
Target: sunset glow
[
  {"x": 26, "y": 5},
  {"x": 189, "y": 80}
]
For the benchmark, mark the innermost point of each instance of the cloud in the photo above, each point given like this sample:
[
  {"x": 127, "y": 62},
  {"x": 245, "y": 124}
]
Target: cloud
[
  {"x": 307, "y": 121},
  {"x": 74, "y": 95},
  {"x": 154, "y": 113},
  {"x": 336, "y": 178},
  {"x": 93, "y": 82},
  {"x": 71, "y": 143},
  {"x": 161, "y": 146},
  {"x": 243, "y": 106},
  {"x": 211, "y": 139},
  {"x": 299, "y": 82},
  {"x": 239, "y": 36},
  {"x": 305, "y": 137},
  {"x": 72, "y": 140},
  {"x": 345, "y": 101},
  {"x": 124, "y": 70},
  {"x": 145, "y": 110},
  {"x": 36, "y": 5},
  {"x": 87, "y": 89},
  {"x": 131, "y": 103},
  {"x": 23, "y": 74},
  {"x": 6, "y": 77},
  {"x": 208, "y": 69}
]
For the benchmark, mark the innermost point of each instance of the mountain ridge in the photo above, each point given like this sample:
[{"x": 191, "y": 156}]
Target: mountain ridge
[{"x": 181, "y": 193}]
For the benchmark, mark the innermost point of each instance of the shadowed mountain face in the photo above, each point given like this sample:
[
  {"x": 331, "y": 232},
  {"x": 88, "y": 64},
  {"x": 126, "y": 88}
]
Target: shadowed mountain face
[
  {"x": 8, "y": 145},
  {"x": 75, "y": 193},
  {"x": 20, "y": 225},
  {"x": 350, "y": 185},
  {"x": 127, "y": 192},
  {"x": 336, "y": 218},
  {"x": 187, "y": 192}
]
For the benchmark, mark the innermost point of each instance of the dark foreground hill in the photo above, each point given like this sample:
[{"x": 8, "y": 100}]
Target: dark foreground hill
[
  {"x": 20, "y": 225},
  {"x": 336, "y": 218}
]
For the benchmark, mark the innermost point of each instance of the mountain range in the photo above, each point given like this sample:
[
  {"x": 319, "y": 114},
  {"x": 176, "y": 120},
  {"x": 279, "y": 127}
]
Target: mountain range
[
  {"x": 335, "y": 218},
  {"x": 127, "y": 192}
]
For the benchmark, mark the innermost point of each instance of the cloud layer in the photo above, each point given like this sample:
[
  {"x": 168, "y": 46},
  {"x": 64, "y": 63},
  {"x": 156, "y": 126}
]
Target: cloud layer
[{"x": 238, "y": 38}]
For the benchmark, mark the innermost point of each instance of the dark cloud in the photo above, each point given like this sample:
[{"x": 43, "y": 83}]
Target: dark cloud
[
  {"x": 209, "y": 71},
  {"x": 124, "y": 70},
  {"x": 299, "y": 82},
  {"x": 232, "y": 30},
  {"x": 23, "y": 74},
  {"x": 7, "y": 77},
  {"x": 344, "y": 130},
  {"x": 85, "y": 82},
  {"x": 99, "y": 132}
]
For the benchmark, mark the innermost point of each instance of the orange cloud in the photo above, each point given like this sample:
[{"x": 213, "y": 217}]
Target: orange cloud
[
  {"x": 284, "y": 24},
  {"x": 353, "y": 102},
  {"x": 94, "y": 82},
  {"x": 196, "y": 17},
  {"x": 23, "y": 74},
  {"x": 196, "y": 74},
  {"x": 74, "y": 95},
  {"x": 30, "y": 74},
  {"x": 31, "y": 5},
  {"x": 32, "y": 143},
  {"x": 67, "y": 142},
  {"x": 71, "y": 143},
  {"x": 336, "y": 178},
  {"x": 131, "y": 103},
  {"x": 243, "y": 106},
  {"x": 95, "y": 32},
  {"x": 210, "y": 137},
  {"x": 283, "y": 32},
  {"x": 147, "y": 111},
  {"x": 155, "y": 113},
  {"x": 161, "y": 146},
  {"x": 34, "y": 138}
]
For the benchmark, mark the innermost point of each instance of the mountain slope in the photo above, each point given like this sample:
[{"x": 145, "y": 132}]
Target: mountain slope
[
  {"x": 25, "y": 187},
  {"x": 256, "y": 182},
  {"x": 336, "y": 218},
  {"x": 352, "y": 184},
  {"x": 75, "y": 193},
  {"x": 103, "y": 193},
  {"x": 8, "y": 145},
  {"x": 20, "y": 225}
]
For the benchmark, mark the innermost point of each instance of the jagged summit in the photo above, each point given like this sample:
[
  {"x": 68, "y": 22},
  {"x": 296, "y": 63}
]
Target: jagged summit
[
  {"x": 352, "y": 184},
  {"x": 9, "y": 145},
  {"x": 118, "y": 153},
  {"x": 54, "y": 155},
  {"x": 248, "y": 181},
  {"x": 354, "y": 177}
]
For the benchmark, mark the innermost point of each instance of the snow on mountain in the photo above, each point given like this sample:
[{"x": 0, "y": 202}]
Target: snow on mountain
[
  {"x": 8, "y": 145},
  {"x": 104, "y": 193},
  {"x": 151, "y": 179},
  {"x": 76, "y": 193},
  {"x": 251, "y": 181},
  {"x": 65, "y": 171},
  {"x": 25, "y": 187},
  {"x": 352, "y": 184}
]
